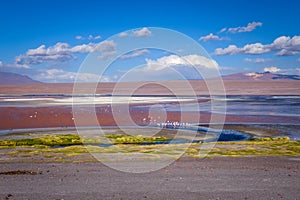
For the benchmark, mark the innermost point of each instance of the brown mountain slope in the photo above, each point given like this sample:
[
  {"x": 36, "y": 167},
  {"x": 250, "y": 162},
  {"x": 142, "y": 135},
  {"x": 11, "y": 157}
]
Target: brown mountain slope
[{"x": 9, "y": 78}]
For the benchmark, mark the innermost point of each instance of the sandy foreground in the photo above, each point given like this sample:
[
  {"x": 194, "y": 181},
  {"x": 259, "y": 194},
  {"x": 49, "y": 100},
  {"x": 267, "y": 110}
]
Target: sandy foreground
[{"x": 210, "y": 178}]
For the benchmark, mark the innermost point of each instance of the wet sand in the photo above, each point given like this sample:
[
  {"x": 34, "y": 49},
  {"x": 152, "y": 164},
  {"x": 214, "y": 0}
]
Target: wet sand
[{"x": 214, "y": 178}]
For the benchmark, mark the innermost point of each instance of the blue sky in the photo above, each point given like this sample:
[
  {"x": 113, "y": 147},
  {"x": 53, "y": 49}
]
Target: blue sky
[{"x": 48, "y": 40}]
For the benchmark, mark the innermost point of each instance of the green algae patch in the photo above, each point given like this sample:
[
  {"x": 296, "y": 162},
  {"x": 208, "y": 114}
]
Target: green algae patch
[
  {"x": 133, "y": 139},
  {"x": 279, "y": 146},
  {"x": 44, "y": 140},
  {"x": 72, "y": 139}
]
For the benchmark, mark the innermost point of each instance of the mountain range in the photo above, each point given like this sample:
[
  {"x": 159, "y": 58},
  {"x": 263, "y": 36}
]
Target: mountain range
[
  {"x": 13, "y": 78},
  {"x": 260, "y": 76}
]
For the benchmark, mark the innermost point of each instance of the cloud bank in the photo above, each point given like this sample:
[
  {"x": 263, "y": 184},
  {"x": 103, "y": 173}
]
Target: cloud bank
[
  {"x": 144, "y": 32},
  {"x": 173, "y": 67},
  {"x": 62, "y": 52},
  {"x": 285, "y": 45},
  {"x": 241, "y": 29},
  {"x": 290, "y": 71},
  {"x": 187, "y": 61},
  {"x": 90, "y": 37},
  {"x": 271, "y": 69},
  {"x": 209, "y": 37}
]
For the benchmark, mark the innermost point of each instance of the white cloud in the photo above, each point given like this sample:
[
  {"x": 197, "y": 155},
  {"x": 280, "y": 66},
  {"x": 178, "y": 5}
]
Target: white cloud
[
  {"x": 59, "y": 75},
  {"x": 79, "y": 37},
  {"x": 230, "y": 50},
  {"x": 173, "y": 67},
  {"x": 223, "y": 30},
  {"x": 41, "y": 50},
  {"x": 286, "y": 46},
  {"x": 256, "y": 48},
  {"x": 272, "y": 69},
  {"x": 97, "y": 37},
  {"x": 62, "y": 52},
  {"x": 14, "y": 65},
  {"x": 291, "y": 71},
  {"x": 209, "y": 37},
  {"x": 105, "y": 46},
  {"x": 90, "y": 37},
  {"x": 144, "y": 32},
  {"x": 285, "y": 52},
  {"x": 58, "y": 52},
  {"x": 136, "y": 53},
  {"x": 123, "y": 34},
  {"x": 256, "y": 60},
  {"x": 250, "y": 27},
  {"x": 174, "y": 60},
  {"x": 298, "y": 59}
]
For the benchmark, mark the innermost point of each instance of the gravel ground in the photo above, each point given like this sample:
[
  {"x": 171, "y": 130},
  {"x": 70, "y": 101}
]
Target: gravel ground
[{"x": 210, "y": 178}]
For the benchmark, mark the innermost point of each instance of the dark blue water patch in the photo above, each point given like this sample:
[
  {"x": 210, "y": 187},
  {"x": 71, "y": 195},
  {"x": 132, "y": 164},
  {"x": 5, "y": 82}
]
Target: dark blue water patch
[
  {"x": 222, "y": 135},
  {"x": 231, "y": 135}
]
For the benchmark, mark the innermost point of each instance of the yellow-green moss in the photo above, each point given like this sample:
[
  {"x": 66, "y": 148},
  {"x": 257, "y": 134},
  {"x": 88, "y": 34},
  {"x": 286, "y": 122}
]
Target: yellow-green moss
[
  {"x": 130, "y": 139},
  {"x": 42, "y": 147}
]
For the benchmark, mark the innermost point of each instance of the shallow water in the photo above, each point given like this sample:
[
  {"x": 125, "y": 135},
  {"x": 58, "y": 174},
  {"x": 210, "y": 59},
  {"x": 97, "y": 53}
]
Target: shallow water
[
  {"x": 268, "y": 105},
  {"x": 288, "y": 106}
]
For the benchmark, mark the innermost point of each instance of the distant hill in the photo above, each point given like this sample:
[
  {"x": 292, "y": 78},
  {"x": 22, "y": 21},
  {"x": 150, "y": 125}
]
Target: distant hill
[
  {"x": 13, "y": 78},
  {"x": 260, "y": 76}
]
